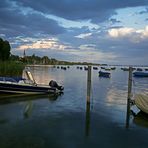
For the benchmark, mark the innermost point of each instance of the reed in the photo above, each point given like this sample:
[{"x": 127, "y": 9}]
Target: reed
[{"x": 11, "y": 68}]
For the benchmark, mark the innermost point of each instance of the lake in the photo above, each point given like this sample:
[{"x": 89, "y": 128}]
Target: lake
[{"x": 66, "y": 121}]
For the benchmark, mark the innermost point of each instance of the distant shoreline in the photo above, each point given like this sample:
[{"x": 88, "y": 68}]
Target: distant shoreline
[{"x": 50, "y": 65}]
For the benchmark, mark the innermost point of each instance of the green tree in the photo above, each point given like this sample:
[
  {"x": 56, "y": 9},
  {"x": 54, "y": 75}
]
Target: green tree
[{"x": 4, "y": 50}]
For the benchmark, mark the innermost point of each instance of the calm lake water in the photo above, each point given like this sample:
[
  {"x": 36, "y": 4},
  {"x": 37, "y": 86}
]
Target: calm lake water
[{"x": 66, "y": 121}]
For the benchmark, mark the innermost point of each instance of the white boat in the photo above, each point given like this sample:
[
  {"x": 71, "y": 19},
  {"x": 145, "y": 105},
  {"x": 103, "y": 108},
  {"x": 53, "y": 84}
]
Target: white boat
[
  {"x": 27, "y": 86},
  {"x": 141, "y": 101}
]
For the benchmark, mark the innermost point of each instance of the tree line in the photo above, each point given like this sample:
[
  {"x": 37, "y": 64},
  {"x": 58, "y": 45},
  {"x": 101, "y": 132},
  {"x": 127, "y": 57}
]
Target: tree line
[
  {"x": 4, "y": 50},
  {"x": 6, "y": 55}
]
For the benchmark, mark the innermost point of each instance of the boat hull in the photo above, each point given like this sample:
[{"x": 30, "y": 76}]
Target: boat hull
[
  {"x": 141, "y": 102},
  {"x": 25, "y": 89},
  {"x": 104, "y": 74},
  {"x": 140, "y": 74}
]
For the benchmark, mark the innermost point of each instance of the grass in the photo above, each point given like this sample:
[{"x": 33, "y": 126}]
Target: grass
[{"x": 11, "y": 68}]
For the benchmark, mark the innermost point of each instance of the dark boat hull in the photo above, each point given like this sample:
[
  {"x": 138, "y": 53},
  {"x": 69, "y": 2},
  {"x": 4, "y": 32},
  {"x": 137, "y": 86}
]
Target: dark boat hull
[
  {"x": 25, "y": 89},
  {"x": 104, "y": 74},
  {"x": 140, "y": 74}
]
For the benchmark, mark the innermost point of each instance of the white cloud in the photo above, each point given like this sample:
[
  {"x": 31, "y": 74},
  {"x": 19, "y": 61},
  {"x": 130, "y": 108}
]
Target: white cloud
[
  {"x": 87, "y": 47},
  {"x": 83, "y": 35},
  {"x": 120, "y": 32},
  {"x": 133, "y": 34},
  {"x": 143, "y": 33},
  {"x": 52, "y": 44}
]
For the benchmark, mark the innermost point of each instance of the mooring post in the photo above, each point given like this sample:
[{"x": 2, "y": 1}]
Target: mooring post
[
  {"x": 129, "y": 96},
  {"x": 87, "y": 122},
  {"x": 88, "y": 84}
]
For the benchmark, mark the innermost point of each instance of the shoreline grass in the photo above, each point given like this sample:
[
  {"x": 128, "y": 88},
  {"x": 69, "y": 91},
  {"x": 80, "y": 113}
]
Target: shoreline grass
[{"x": 11, "y": 68}]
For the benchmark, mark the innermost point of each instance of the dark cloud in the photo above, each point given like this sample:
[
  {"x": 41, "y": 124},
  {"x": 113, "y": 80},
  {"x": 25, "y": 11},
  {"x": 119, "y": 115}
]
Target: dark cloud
[
  {"x": 114, "y": 21},
  {"x": 96, "y": 10},
  {"x": 13, "y": 22}
]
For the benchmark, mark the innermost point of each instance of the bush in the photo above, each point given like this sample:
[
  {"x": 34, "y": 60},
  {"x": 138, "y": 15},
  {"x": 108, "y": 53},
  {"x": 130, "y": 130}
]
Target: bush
[{"x": 11, "y": 68}]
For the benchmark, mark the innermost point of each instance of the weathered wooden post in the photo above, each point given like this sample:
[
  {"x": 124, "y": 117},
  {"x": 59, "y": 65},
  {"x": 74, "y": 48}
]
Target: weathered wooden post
[
  {"x": 129, "y": 97},
  {"x": 87, "y": 120},
  {"x": 88, "y": 84}
]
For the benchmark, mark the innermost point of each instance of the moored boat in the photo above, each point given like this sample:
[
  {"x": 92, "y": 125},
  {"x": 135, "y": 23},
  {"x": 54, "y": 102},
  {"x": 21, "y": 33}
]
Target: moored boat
[
  {"x": 140, "y": 74},
  {"x": 125, "y": 69},
  {"x": 141, "y": 101},
  {"x": 113, "y": 68},
  {"x": 104, "y": 74},
  {"x": 85, "y": 68},
  {"x": 139, "y": 69},
  {"x": 141, "y": 119},
  {"x": 107, "y": 68},
  {"x": 95, "y": 68},
  {"x": 27, "y": 86}
]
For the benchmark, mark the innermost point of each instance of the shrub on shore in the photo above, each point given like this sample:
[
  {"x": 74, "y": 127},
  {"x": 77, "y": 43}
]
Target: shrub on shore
[{"x": 11, "y": 68}]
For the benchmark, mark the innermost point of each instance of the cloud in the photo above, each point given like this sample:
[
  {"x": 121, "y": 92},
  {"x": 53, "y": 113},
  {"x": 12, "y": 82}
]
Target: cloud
[
  {"x": 133, "y": 34},
  {"x": 20, "y": 21},
  {"x": 120, "y": 32},
  {"x": 90, "y": 53},
  {"x": 84, "y": 35},
  {"x": 95, "y": 10},
  {"x": 114, "y": 21},
  {"x": 44, "y": 44},
  {"x": 77, "y": 30}
]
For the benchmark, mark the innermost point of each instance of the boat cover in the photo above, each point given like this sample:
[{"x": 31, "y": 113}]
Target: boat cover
[{"x": 141, "y": 101}]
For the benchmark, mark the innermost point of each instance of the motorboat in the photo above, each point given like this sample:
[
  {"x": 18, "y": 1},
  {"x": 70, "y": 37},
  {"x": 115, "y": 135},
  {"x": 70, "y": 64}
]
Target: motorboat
[
  {"x": 140, "y": 74},
  {"x": 124, "y": 69},
  {"x": 107, "y": 68},
  {"x": 141, "y": 119},
  {"x": 19, "y": 85},
  {"x": 139, "y": 69},
  {"x": 95, "y": 68},
  {"x": 113, "y": 68},
  {"x": 104, "y": 74}
]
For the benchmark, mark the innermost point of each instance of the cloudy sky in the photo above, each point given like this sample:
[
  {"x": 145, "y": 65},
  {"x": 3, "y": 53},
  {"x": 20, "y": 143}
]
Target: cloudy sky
[{"x": 100, "y": 31}]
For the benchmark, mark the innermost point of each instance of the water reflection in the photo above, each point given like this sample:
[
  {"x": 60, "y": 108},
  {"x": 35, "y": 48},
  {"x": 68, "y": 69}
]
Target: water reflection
[
  {"x": 6, "y": 99},
  {"x": 87, "y": 120},
  {"x": 43, "y": 74},
  {"x": 67, "y": 121},
  {"x": 28, "y": 109}
]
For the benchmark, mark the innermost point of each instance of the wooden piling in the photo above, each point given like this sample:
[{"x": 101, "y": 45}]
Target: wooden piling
[
  {"x": 129, "y": 97},
  {"x": 87, "y": 121},
  {"x": 88, "y": 84}
]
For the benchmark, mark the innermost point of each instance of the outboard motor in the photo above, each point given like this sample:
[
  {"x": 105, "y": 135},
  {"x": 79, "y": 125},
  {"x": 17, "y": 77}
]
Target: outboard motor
[{"x": 53, "y": 83}]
